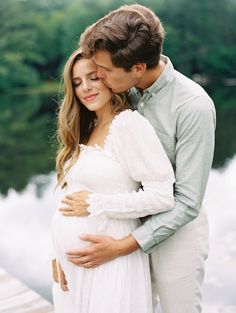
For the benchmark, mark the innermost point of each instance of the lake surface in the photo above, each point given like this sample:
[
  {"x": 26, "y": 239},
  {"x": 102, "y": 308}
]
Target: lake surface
[{"x": 27, "y": 180}]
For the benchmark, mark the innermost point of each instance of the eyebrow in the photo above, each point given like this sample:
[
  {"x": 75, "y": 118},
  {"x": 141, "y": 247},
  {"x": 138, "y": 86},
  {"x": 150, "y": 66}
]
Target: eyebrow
[
  {"x": 106, "y": 68},
  {"x": 90, "y": 73}
]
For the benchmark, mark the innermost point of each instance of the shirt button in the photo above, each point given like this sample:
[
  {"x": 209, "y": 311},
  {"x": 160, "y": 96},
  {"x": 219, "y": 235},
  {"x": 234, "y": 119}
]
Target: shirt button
[{"x": 141, "y": 104}]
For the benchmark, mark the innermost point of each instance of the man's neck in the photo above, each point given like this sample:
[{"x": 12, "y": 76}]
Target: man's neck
[{"x": 150, "y": 76}]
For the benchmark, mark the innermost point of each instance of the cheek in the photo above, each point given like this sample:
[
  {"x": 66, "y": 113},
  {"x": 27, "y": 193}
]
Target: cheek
[
  {"x": 113, "y": 78},
  {"x": 107, "y": 94},
  {"x": 78, "y": 93}
]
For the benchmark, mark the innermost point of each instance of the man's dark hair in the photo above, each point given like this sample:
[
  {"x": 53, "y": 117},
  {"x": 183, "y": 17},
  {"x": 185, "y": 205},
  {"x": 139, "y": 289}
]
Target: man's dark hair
[{"x": 131, "y": 34}]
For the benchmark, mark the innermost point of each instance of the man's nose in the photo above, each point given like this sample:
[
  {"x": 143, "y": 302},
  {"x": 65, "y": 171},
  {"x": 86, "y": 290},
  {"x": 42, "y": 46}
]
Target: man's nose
[{"x": 100, "y": 72}]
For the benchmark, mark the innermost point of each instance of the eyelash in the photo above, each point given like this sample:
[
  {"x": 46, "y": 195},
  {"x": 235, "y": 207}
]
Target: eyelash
[{"x": 93, "y": 79}]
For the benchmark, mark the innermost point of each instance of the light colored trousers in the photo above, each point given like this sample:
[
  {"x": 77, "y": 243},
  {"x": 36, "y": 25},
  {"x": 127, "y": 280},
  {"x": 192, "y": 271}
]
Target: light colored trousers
[{"x": 177, "y": 268}]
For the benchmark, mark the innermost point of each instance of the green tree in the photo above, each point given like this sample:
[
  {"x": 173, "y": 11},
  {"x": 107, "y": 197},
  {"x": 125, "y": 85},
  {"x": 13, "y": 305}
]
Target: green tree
[
  {"x": 27, "y": 128},
  {"x": 38, "y": 36},
  {"x": 201, "y": 36}
]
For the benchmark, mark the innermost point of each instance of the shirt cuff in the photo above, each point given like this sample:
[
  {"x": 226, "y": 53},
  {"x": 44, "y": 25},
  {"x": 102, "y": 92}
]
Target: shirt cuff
[{"x": 144, "y": 237}]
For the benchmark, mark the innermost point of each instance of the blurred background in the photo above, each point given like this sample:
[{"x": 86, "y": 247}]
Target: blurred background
[{"x": 36, "y": 38}]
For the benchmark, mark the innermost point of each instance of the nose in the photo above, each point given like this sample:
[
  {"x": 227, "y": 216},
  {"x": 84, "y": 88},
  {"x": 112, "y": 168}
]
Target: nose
[
  {"x": 101, "y": 72},
  {"x": 86, "y": 85}
]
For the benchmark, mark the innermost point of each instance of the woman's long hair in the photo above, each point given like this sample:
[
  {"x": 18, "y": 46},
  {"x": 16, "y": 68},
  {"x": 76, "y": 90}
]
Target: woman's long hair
[{"x": 75, "y": 122}]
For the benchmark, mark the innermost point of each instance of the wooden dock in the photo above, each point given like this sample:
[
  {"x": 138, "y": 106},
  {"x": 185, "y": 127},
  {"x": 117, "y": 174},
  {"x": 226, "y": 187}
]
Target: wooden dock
[{"x": 15, "y": 297}]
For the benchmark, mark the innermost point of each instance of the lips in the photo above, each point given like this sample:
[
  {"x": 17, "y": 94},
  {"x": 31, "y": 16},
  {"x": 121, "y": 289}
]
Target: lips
[{"x": 91, "y": 97}]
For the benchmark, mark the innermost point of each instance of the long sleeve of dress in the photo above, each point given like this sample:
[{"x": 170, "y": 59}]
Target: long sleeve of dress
[{"x": 135, "y": 145}]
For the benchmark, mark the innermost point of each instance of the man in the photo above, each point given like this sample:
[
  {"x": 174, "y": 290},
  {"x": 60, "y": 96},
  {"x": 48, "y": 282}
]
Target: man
[{"x": 126, "y": 45}]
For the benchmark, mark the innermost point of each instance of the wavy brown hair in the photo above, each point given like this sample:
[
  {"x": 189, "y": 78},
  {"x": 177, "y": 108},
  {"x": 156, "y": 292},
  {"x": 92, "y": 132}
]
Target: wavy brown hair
[
  {"x": 131, "y": 34},
  {"x": 75, "y": 122}
]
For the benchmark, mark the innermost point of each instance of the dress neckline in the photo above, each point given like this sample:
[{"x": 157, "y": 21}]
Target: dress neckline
[
  {"x": 106, "y": 140},
  {"x": 92, "y": 147}
]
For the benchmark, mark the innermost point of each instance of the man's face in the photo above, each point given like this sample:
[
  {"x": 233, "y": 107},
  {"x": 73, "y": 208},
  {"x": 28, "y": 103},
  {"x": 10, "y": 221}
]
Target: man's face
[{"x": 115, "y": 78}]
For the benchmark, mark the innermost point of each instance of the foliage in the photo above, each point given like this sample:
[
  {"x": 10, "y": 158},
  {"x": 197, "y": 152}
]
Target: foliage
[
  {"x": 225, "y": 144},
  {"x": 26, "y": 142},
  {"x": 39, "y": 35}
]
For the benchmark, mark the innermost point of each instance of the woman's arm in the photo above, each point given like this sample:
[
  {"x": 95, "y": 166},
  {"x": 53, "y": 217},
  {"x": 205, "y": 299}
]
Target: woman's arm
[{"x": 139, "y": 151}]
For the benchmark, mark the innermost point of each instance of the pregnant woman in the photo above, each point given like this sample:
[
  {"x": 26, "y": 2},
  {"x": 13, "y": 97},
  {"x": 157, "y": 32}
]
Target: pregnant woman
[{"x": 114, "y": 158}]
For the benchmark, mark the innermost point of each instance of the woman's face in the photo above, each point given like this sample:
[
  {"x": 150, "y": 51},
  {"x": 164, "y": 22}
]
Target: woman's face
[{"x": 90, "y": 89}]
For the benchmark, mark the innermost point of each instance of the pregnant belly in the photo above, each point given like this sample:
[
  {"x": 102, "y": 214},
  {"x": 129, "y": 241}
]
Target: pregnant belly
[{"x": 66, "y": 230}]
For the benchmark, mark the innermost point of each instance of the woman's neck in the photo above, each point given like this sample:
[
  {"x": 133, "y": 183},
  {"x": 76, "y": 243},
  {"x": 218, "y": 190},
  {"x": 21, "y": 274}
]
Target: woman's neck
[
  {"x": 101, "y": 127},
  {"x": 104, "y": 116}
]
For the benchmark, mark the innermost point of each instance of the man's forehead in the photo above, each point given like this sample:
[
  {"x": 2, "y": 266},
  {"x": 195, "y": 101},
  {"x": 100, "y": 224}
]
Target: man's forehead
[{"x": 103, "y": 59}]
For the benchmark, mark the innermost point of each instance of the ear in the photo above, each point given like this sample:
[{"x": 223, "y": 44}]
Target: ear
[{"x": 139, "y": 69}]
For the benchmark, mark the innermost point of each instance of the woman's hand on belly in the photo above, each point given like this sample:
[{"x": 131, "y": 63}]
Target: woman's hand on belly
[{"x": 76, "y": 204}]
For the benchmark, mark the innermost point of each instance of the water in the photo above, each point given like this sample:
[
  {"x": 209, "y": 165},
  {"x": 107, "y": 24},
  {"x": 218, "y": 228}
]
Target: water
[{"x": 27, "y": 179}]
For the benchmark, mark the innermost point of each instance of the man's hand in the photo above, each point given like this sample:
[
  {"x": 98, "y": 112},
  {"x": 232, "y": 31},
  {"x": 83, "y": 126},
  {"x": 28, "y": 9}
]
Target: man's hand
[
  {"x": 76, "y": 204},
  {"x": 103, "y": 249}
]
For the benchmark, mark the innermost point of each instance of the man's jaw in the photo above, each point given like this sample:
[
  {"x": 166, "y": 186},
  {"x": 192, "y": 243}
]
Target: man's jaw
[
  {"x": 104, "y": 82},
  {"x": 113, "y": 89}
]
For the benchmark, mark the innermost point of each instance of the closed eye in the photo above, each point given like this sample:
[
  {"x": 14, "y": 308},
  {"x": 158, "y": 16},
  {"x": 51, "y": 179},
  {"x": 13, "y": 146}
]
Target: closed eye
[
  {"x": 76, "y": 84},
  {"x": 93, "y": 76}
]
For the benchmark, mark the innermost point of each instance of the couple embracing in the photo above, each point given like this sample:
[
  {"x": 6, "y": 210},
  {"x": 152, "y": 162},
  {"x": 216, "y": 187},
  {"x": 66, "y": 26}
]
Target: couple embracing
[{"x": 136, "y": 147}]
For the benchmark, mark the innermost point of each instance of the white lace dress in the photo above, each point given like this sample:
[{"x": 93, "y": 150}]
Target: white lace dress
[{"x": 132, "y": 156}]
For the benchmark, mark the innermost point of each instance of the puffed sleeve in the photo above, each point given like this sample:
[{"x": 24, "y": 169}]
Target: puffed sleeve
[{"x": 137, "y": 148}]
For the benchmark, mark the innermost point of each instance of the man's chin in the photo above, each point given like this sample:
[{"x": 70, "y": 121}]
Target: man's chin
[
  {"x": 117, "y": 90},
  {"x": 110, "y": 87},
  {"x": 113, "y": 89}
]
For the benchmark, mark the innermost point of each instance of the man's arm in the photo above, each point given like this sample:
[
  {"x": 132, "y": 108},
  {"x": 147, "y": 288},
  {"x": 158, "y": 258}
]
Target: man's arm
[{"x": 194, "y": 154}]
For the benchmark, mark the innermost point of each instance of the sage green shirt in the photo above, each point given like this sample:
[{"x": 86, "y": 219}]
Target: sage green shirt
[{"x": 183, "y": 116}]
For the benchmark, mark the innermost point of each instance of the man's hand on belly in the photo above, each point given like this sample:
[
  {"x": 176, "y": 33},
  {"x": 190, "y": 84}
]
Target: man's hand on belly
[{"x": 102, "y": 249}]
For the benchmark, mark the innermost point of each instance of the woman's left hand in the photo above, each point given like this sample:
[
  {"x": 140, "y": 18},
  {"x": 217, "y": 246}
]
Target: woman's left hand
[{"x": 76, "y": 204}]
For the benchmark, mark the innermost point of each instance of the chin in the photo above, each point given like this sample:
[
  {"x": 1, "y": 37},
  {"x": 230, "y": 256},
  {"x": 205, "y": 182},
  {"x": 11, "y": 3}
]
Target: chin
[
  {"x": 118, "y": 90},
  {"x": 91, "y": 106}
]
